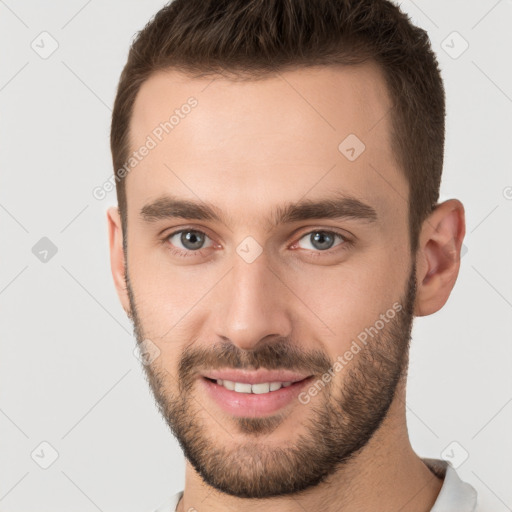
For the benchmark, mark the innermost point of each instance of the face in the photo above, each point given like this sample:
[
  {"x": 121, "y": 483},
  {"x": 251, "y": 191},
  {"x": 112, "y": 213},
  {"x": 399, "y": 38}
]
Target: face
[{"x": 268, "y": 270}]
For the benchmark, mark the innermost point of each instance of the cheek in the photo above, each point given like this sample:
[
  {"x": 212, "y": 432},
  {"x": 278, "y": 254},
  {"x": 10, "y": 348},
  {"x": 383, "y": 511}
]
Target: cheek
[
  {"x": 168, "y": 297},
  {"x": 341, "y": 302}
]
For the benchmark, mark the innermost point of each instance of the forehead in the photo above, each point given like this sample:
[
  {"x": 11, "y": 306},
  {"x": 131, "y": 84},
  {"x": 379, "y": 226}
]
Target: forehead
[{"x": 280, "y": 137}]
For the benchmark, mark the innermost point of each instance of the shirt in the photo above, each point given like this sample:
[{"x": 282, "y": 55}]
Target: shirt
[{"x": 455, "y": 495}]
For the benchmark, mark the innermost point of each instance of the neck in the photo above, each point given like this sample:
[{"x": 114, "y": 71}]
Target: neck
[{"x": 386, "y": 475}]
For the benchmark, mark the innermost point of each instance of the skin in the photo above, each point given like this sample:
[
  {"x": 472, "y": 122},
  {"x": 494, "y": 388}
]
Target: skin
[{"x": 247, "y": 148}]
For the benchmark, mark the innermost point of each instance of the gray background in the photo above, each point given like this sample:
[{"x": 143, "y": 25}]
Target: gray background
[{"x": 68, "y": 375}]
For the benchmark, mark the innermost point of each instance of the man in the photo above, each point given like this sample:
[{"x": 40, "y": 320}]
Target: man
[{"x": 278, "y": 168}]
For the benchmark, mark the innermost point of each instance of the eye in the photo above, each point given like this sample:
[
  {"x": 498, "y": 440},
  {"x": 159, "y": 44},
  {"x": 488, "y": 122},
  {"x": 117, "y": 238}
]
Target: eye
[
  {"x": 188, "y": 240},
  {"x": 321, "y": 240},
  {"x": 193, "y": 242}
]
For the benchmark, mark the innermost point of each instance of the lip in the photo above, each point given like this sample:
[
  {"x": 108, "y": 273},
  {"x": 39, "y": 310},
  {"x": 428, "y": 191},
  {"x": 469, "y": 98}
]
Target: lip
[{"x": 251, "y": 404}]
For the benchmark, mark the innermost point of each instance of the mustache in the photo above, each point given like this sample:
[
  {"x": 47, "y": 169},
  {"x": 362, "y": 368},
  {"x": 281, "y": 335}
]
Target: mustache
[{"x": 275, "y": 355}]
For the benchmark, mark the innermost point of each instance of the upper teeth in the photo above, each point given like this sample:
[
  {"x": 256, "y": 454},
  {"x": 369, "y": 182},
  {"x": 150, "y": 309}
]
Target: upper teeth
[{"x": 242, "y": 387}]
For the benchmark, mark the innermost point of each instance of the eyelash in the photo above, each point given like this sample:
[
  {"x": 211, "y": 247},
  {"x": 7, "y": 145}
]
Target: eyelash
[{"x": 345, "y": 245}]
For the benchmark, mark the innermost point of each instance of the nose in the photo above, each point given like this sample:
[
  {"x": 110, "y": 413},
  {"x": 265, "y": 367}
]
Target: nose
[{"x": 253, "y": 303}]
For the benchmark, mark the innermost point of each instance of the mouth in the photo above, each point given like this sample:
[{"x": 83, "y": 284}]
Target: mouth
[{"x": 242, "y": 393}]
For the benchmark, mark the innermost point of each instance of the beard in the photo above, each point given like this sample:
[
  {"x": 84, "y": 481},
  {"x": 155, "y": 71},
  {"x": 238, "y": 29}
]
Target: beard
[{"x": 336, "y": 426}]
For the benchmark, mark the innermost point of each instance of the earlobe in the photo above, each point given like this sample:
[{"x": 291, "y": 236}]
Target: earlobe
[
  {"x": 117, "y": 257},
  {"x": 439, "y": 256}
]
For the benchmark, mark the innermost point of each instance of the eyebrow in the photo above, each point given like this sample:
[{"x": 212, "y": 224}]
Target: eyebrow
[{"x": 342, "y": 206}]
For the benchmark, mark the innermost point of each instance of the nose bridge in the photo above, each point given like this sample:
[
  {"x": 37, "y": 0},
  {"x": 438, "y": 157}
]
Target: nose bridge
[{"x": 251, "y": 304}]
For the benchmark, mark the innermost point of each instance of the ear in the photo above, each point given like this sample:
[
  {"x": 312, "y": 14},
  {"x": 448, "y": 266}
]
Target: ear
[
  {"x": 117, "y": 259},
  {"x": 438, "y": 256}
]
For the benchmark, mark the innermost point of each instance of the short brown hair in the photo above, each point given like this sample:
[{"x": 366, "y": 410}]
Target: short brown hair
[{"x": 253, "y": 38}]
